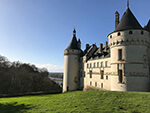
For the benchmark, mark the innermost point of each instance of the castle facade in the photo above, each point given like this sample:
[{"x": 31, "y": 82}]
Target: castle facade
[{"x": 122, "y": 64}]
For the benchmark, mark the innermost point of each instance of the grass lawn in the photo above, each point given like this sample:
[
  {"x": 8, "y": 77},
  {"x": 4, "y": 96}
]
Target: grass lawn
[{"x": 80, "y": 102}]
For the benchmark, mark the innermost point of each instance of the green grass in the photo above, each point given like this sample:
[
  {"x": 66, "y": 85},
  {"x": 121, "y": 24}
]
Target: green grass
[{"x": 79, "y": 102}]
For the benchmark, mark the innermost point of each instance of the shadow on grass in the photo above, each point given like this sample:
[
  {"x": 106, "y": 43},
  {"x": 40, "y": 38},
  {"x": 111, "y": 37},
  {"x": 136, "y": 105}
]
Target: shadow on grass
[{"x": 14, "y": 108}]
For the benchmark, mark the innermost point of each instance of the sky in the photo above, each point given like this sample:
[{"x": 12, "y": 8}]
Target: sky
[{"x": 38, "y": 31}]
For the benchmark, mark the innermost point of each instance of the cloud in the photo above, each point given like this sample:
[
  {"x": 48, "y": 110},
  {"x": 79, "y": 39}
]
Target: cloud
[{"x": 50, "y": 67}]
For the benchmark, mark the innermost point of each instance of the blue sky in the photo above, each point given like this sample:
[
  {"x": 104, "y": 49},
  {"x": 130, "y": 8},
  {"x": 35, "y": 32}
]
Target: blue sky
[{"x": 38, "y": 31}]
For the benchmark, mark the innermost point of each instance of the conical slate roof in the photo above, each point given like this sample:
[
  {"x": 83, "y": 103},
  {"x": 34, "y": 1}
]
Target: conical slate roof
[
  {"x": 147, "y": 27},
  {"x": 128, "y": 21},
  {"x": 73, "y": 44}
]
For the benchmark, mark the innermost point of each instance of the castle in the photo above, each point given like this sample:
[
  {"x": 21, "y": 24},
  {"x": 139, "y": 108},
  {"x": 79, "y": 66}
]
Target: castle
[{"x": 122, "y": 64}]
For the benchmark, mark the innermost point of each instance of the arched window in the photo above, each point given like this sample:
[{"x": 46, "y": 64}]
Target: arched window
[{"x": 110, "y": 36}]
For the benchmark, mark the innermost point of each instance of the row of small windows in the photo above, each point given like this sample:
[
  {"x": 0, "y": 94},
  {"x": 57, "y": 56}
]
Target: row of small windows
[
  {"x": 130, "y": 32},
  {"x": 96, "y": 84},
  {"x": 102, "y": 75},
  {"x": 120, "y": 76},
  {"x": 99, "y": 64}
]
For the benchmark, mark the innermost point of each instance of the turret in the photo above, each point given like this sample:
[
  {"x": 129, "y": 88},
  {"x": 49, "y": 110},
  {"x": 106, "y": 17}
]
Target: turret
[
  {"x": 71, "y": 65},
  {"x": 128, "y": 47}
]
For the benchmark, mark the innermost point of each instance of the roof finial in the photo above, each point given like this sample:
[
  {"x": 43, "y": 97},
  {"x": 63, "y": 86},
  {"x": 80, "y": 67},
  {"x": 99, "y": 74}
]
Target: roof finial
[
  {"x": 74, "y": 32},
  {"x": 127, "y": 3}
]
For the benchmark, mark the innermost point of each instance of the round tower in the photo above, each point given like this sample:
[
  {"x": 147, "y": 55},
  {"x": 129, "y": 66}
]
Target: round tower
[
  {"x": 71, "y": 65},
  {"x": 129, "y": 60}
]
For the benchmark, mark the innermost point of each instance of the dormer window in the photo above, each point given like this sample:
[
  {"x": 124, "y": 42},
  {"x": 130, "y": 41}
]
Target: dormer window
[
  {"x": 87, "y": 65},
  {"x": 130, "y": 32},
  {"x": 118, "y": 33}
]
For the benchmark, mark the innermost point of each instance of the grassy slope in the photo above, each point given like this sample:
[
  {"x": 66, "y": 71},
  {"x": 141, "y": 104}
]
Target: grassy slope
[{"x": 79, "y": 101}]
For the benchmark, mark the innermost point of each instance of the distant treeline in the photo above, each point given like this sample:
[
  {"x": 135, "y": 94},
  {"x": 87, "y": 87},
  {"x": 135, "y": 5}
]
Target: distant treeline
[
  {"x": 56, "y": 75},
  {"x": 21, "y": 78}
]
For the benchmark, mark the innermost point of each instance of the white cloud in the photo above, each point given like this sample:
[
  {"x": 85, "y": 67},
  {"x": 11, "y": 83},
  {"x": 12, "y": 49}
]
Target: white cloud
[{"x": 50, "y": 67}]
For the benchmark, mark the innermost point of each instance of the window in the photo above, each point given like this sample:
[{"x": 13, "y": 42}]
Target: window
[
  {"x": 67, "y": 88},
  {"x": 101, "y": 85},
  {"x": 87, "y": 65},
  {"x": 97, "y": 64},
  {"x": 106, "y": 64},
  {"x": 101, "y": 64},
  {"x": 90, "y": 74},
  {"x": 120, "y": 76},
  {"x": 142, "y": 32},
  {"x": 95, "y": 84},
  {"x": 145, "y": 62},
  {"x": 102, "y": 74},
  {"x": 94, "y": 65},
  {"x": 75, "y": 79},
  {"x": 118, "y": 33},
  {"x": 84, "y": 73},
  {"x": 120, "y": 54},
  {"x": 106, "y": 77},
  {"x": 90, "y": 65},
  {"x": 130, "y": 32},
  {"x": 110, "y": 36},
  {"x": 90, "y": 83}
]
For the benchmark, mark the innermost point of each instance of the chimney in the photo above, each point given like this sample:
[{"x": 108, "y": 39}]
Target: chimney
[
  {"x": 116, "y": 19},
  {"x": 87, "y": 46},
  {"x": 106, "y": 45},
  {"x": 79, "y": 43},
  {"x": 100, "y": 47}
]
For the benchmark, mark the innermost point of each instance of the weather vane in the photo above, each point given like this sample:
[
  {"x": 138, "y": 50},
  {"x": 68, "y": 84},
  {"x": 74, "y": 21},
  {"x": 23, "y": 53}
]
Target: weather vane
[{"x": 127, "y": 3}]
